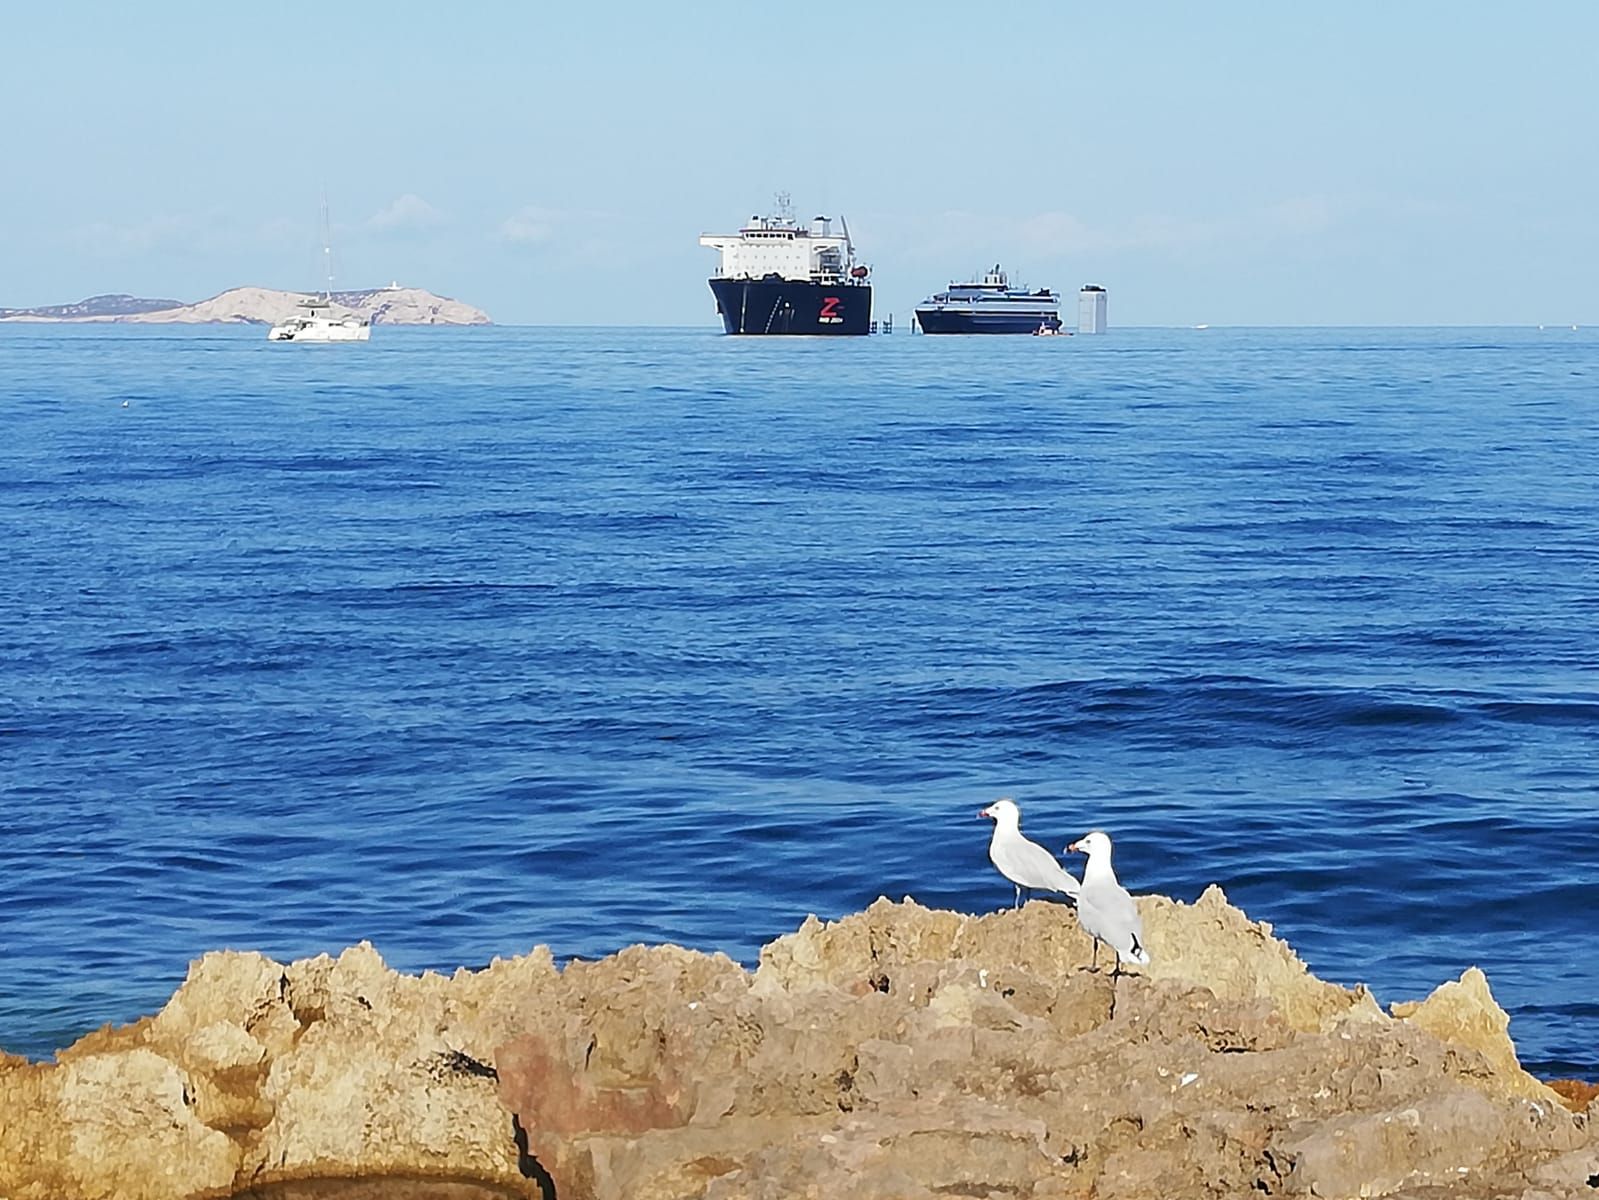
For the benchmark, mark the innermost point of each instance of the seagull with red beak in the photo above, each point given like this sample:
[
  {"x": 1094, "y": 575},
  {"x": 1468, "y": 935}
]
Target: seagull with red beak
[
  {"x": 1105, "y": 908},
  {"x": 1025, "y": 863}
]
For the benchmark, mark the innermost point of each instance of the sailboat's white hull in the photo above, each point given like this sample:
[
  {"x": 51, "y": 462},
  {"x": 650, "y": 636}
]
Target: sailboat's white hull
[{"x": 321, "y": 329}]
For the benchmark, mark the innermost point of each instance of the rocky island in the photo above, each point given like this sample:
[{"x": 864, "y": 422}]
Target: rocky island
[
  {"x": 392, "y": 305},
  {"x": 899, "y": 1052}
]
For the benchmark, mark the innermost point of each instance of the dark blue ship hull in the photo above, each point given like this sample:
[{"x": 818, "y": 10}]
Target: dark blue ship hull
[
  {"x": 934, "y": 320},
  {"x": 792, "y": 306}
]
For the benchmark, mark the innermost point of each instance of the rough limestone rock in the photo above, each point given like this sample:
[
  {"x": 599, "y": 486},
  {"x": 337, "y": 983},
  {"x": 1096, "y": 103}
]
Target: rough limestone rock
[
  {"x": 106, "y": 1126},
  {"x": 1238, "y": 959},
  {"x": 255, "y": 1072},
  {"x": 1464, "y": 1013},
  {"x": 899, "y": 1052}
]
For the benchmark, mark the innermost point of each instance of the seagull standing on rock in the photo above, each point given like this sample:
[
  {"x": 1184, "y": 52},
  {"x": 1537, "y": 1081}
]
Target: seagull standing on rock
[
  {"x": 1026, "y": 864},
  {"x": 1105, "y": 908}
]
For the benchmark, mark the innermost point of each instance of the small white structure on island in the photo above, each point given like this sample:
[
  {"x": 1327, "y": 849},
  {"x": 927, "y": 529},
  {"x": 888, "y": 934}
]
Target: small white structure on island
[{"x": 1091, "y": 309}]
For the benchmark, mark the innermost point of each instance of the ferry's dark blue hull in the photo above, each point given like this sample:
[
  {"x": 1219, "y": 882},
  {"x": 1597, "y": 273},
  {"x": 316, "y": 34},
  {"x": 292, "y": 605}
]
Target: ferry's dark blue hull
[
  {"x": 793, "y": 306},
  {"x": 933, "y": 320}
]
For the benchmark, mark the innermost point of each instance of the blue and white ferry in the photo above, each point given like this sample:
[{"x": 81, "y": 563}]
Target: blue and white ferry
[{"x": 990, "y": 306}]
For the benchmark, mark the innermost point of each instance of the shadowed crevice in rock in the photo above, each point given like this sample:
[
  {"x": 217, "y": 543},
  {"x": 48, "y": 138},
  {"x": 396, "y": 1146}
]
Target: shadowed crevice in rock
[
  {"x": 455, "y": 1061},
  {"x": 530, "y": 1167}
]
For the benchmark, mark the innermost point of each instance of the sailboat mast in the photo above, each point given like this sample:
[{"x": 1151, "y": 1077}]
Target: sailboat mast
[{"x": 327, "y": 246}]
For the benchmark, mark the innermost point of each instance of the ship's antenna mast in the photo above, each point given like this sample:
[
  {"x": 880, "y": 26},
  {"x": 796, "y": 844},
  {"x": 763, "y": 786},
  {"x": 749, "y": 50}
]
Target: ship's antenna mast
[{"x": 785, "y": 207}]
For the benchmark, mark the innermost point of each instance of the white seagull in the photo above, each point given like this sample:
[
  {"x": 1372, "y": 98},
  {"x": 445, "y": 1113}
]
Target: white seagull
[
  {"x": 1104, "y": 907},
  {"x": 1026, "y": 864}
]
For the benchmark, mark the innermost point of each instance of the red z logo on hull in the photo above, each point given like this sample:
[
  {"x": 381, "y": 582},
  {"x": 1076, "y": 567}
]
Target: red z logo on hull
[{"x": 830, "y": 314}]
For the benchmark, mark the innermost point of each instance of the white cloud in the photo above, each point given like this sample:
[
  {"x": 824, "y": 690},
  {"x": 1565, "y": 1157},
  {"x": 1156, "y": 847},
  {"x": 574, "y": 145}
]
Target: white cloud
[
  {"x": 529, "y": 225},
  {"x": 118, "y": 238},
  {"x": 1301, "y": 215},
  {"x": 406, "y": 213},
  {"x": 279, "y": 230},
  {"x": 1058, "y": 232},
  {"x": 1063, "y": 233},
  {"x": 956, "y": 234},
  {"x": 1163, "y": 231}
]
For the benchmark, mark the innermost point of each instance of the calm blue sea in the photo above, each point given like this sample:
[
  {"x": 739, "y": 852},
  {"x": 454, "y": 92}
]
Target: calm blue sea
[{"x": 466, "y": 640}]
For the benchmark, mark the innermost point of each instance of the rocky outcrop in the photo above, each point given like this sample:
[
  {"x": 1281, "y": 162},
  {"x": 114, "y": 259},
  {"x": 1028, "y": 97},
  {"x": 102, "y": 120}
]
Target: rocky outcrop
[
  {"x": 393, "y": 305},
  {"x": 117, "y": 304},
  {"x": 901, "y": 1052}
]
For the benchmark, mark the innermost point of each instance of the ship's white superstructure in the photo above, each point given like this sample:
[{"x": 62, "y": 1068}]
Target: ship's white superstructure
[
  {"x": 776, "y": 276},
  {"x": 780, "y": 246}
]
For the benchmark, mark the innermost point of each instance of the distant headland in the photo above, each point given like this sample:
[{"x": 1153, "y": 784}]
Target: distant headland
[{"x": 392, "y": 305}]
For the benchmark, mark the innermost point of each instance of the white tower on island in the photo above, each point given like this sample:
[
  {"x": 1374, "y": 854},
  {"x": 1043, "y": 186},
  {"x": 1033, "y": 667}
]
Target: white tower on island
[{"x": 1091, "y": 309}]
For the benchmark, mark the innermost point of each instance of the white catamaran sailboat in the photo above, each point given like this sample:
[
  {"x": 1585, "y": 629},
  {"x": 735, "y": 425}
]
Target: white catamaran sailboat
[{"x": 315, "y": 321}]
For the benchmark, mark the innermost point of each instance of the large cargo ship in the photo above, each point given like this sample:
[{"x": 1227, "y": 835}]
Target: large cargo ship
[
  {"x": 778, "y": 276},
  {"x": 990, "y": 306}
]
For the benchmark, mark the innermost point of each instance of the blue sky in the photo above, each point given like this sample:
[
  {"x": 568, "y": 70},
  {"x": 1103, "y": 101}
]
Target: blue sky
[{"x": 1249, "y": 163}]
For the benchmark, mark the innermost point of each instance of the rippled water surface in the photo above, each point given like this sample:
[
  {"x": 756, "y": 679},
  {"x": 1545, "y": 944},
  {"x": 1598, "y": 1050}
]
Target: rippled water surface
[{"x": 462, "y": 641}]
